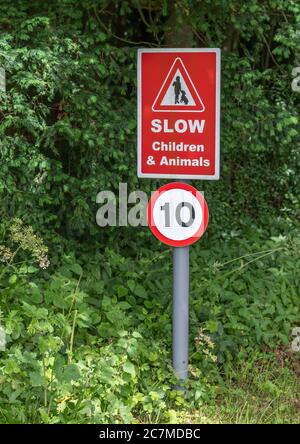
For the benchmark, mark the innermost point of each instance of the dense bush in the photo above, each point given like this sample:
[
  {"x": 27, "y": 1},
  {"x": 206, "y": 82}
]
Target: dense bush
[{"x": 68, "y": 123}]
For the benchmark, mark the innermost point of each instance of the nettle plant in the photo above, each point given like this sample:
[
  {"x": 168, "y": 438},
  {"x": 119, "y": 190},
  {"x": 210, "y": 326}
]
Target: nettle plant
[{"x": 15, "y": 267}]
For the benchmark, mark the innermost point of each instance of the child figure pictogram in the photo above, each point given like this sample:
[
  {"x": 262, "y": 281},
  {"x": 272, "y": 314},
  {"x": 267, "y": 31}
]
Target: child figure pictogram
[{"x": 184, "y": 98}]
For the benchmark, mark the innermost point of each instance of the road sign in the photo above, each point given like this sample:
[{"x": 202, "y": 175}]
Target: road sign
[
  {"x": 177, "y": 214},
  {"x": 178, "y": 113}
]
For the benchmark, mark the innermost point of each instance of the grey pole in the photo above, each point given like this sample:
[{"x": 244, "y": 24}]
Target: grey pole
[{"x": 181, "y": 311}]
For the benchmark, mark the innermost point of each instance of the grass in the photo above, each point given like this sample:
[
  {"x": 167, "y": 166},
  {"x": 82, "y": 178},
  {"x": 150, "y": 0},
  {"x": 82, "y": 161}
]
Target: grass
[{"x": 262, "y": 390}]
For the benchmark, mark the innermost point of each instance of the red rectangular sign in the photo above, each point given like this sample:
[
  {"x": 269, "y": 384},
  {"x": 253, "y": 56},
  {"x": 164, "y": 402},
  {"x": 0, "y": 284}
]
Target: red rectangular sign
[{"x": 179, "y": 113}]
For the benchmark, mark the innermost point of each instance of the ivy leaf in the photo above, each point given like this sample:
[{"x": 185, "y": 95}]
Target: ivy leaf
[
  {"x": 36, "y": 379},
  {"x": 71, "y": 373},
  {"x": 76, "y": 268},
  {"x": 129, "y": 368}
]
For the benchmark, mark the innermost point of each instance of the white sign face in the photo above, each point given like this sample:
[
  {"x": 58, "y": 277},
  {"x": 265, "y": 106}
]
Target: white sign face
[{"x": 177, "y": 214}]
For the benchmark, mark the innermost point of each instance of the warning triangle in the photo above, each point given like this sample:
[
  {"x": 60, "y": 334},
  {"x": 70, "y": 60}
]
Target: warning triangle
[{"x": 178, "y": 93}]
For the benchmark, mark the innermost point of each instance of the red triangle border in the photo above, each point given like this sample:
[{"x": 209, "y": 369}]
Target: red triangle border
[{"x": 178, "y": 64}]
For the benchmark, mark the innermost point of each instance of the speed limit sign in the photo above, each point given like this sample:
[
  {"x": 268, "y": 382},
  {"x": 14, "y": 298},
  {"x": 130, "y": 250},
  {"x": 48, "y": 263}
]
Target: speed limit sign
[{"x": 177, "y": 214}]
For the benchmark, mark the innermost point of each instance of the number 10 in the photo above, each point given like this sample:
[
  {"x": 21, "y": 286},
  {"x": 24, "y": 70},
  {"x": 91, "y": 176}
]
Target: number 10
[{"x": 166, "y": 209}]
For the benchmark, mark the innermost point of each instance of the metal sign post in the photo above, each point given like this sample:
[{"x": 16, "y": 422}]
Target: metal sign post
[
  {"x": 178, "y": 216},
  {"x": 181, "y": 311},
  {"x": 2, "y": 80}
]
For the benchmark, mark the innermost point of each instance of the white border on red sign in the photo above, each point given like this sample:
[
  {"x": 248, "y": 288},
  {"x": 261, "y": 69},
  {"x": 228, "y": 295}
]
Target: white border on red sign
[
  {"x": 162, "y": 87},
  {"x": 139, "y": 115}
]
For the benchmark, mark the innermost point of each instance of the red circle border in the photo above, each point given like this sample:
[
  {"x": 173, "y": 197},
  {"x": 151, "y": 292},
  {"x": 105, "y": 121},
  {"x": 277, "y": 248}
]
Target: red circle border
[{"x": 201, "y": 200}]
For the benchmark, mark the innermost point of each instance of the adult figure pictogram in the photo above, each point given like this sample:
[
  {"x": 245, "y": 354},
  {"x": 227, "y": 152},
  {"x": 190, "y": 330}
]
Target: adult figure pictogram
[{"x": 177, "y": 88}]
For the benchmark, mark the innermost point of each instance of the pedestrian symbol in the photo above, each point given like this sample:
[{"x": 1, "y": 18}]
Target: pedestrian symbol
[{"x": 178, "y": 93}]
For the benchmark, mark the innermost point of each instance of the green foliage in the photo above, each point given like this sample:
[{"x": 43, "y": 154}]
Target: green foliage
[
  {"x": 93, "y": 341},
  {"x": 68, "y": 123},
  {"x": 251, "y": 299}
]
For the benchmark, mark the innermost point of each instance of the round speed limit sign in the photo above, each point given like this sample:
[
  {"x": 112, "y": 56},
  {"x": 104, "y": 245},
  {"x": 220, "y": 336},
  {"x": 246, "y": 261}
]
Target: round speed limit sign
[{"x": 177, "y": 214}]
